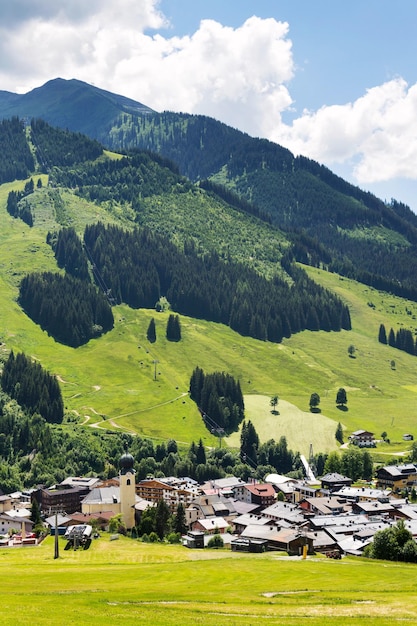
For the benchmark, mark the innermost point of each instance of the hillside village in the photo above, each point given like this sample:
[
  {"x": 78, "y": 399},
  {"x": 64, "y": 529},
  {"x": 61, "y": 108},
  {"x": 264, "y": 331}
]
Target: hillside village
[{"x": 329, "y": 515}]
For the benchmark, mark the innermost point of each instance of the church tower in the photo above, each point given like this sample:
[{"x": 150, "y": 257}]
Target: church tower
[{"x": 127, "y": 489}]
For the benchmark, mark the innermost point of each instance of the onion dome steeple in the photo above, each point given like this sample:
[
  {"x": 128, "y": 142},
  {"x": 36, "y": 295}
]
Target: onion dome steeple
[{"x": 126, "y": 463}]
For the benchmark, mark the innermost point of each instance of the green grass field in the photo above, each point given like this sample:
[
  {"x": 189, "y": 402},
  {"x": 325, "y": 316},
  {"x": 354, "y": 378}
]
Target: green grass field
[
  {"x": 127, "y": 582},
  {"x": 120, "y": 381}
]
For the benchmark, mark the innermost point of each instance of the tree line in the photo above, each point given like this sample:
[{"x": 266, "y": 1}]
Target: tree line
[
  {"x": 32, "y": 387},
  {"x": 403, "y": 339},
  {"x": 72, "y": 311},
  {"x": 60, "y": 148},
  {"x": 16, "y": 208},
  {"x": 16, "y": 159}
]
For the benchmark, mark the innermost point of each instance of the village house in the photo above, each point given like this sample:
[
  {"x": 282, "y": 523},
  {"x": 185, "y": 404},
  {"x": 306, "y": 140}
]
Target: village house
[
  {"x": 60, "y": 498},
  {"x": 221, "y": 486},
  {"x": 211, "y": 526},
  {"x": 8, "y": 524},
  {"x": 208, "y": 506},
  {"x": 335, "y": 481},
  {"x": 325, "y": 506},
  {"x": 293, "y": 490},
  {"x": 262, "y": 494},
  {"x": 361, "y": 493},
  {"x": 288, "y": 512},
  {"x": 171, "y": 492},
  {"x": 291, "y": 540},
  {"x": 396, "y": 477},
  {"x": 362, "y": 438}
]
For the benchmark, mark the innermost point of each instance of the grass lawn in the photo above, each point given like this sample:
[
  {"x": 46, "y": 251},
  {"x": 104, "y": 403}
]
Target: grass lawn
[{"x": 126, "y": 582}]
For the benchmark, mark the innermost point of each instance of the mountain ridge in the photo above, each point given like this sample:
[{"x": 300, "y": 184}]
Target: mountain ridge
[{"x": 333, "y": 223}]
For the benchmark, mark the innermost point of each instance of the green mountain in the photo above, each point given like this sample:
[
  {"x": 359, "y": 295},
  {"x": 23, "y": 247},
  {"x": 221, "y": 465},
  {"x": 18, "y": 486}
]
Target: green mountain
[
  {"x": 70, "y": 104},
  {"x": 332, "y": 223}
]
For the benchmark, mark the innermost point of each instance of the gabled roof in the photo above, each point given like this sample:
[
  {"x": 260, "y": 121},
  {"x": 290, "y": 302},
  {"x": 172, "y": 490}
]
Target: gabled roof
[
  {"x": 62, "y": 520},
  {"x": 263, "y": 490},
  {"x": 103, "y": 495},
  {"x": 360, "y": 432},
  {"x": 335, "y": 477},
  {"x": 398, "y": 471},
  {"x": 211, "y": 523}
]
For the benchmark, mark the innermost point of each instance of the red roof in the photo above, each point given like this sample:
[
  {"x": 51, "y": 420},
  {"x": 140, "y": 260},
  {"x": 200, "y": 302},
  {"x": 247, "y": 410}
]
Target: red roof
[{"x": 261, "y": 489}]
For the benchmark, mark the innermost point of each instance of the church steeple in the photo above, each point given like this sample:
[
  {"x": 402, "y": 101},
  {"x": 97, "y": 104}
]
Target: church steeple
[
  {"x": 126, "y": 462},
  {"x": 127, "y": 488}
]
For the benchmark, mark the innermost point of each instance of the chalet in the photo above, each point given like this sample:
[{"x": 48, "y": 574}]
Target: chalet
[
  {"x": 396, "y": 477},
  {"x": 101, "y": 519},
  {"x": 293, "y": 490},
  {"x": 8, "y": 523},
  {"x": 362, "y": 438},
  {"x": 287, "y": 512},
  {"x": 325, "y": 506},
  {"x": 222, "y": 486},
  {"x": 244, "y": 544},
  {"x": 290, "y": 540},
  {"x": 243, "y": 521},
  {"x": 335, "y": 481}
]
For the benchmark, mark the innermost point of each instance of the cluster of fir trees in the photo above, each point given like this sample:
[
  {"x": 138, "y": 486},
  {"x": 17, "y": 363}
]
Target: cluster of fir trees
[
  {"x": 16, "y": 159},
  {"x": 32, "y": 387},
  {"x": 69, "y": 252},
  {"x": 271, "y": 456},
  {"x": 173, "y": 330},
  {"x": 124, "y": 180},
  {"x": 403, "y": 339},
  {"x": 158, "y": 523},
  {"x": 219, "y": 399},
  {"x": 16, "y": 208},
  {"x": 70, "y": 310},
  {"x": 60, "y": 148},
  {"x": 140, "y": 266}
]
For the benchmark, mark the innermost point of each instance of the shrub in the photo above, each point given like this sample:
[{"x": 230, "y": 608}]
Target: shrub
[{"x": 216, "y": 542}]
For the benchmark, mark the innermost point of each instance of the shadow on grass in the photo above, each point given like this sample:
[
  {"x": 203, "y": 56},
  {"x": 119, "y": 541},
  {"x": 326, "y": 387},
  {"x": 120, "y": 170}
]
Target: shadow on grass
[{"x": 342, "y": 407}]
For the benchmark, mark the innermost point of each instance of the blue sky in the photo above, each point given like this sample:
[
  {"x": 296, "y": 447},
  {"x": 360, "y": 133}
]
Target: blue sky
[{"x": 336, "y": 81}]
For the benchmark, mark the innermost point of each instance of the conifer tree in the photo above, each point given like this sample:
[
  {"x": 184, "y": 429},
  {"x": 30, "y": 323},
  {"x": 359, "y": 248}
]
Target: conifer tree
[
  {"x": 151, "y": 332},
  {"x": 382, "y": 337}
]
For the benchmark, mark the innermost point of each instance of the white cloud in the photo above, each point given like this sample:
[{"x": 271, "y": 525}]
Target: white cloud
[
  {"x": 236, "y": 75},
  {"x": 378, "y": 132},
  {"x": 241, "y": 76}
]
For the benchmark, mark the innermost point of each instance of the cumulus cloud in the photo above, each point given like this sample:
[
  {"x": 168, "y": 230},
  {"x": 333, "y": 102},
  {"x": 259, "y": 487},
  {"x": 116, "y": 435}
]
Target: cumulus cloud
[
  {"x": 241, "y": 76},
  {"x": 237, "y": 75},
  {"x": 378, "y": 132}
]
